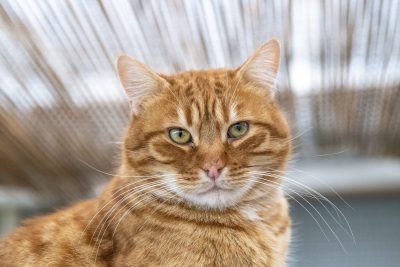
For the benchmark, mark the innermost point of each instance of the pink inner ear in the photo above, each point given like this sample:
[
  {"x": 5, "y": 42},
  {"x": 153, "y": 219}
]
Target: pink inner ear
[
  {"x": 138, "y": 80},
  {"x": 262, "y": 67}
]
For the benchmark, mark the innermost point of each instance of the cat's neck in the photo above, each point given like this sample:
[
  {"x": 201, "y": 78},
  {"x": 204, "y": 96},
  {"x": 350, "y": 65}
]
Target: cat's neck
[{"x": 133, "y": 197}]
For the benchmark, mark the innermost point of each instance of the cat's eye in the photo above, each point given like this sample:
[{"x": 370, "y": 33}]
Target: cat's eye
[
  {"x": 180, "y": 136},
  {"x": 238, "y": 129}
]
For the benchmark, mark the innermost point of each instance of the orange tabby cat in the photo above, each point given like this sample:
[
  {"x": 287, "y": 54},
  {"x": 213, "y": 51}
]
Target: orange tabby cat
[{"x": 199, "y": 181}]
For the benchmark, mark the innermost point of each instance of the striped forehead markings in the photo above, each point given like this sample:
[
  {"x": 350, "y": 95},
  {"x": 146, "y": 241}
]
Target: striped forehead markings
[{"x": 206, "y": 108}]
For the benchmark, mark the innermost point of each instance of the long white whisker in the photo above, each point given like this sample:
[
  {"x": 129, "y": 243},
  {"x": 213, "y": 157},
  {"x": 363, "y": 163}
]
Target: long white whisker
[
  {"x": 312, "y": 216},
  {"x": 110, "y": 201},
  {"x": 126, "y": 212},
  {"x": 319, "y": 214},
  {"x": 115, "y": 208},
  {"x": 122, "y": 176},
  {"x": 311, "y": 190},
  {"x": 312, "y": 206},
  {"x": 325, "y": 183},
  {"x": 110, "y": 212},
  {"x": 150, "y": 214}
]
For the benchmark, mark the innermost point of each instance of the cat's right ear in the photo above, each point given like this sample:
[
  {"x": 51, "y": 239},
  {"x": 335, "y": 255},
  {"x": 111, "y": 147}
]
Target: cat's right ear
[{"x": 138, "y": 80}]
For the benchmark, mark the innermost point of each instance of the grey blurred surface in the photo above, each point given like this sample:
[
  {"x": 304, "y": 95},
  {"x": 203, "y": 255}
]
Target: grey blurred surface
[
  {"x": 375, "y": 222},
  {"x": 330, "y": 173}
]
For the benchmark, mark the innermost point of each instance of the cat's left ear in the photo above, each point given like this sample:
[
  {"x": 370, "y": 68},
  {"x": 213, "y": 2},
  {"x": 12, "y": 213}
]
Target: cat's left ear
[
  {"x": 138, "y": 80},
  {"x": 261, "y": 69}
]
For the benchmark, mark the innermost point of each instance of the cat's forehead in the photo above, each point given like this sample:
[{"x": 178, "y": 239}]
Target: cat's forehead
[
  {"x": 205, "y": 103},
  {"x": 208, "y": 91},
  {"x": 208, "y": 102},
  {"x": 214, "y": 81},
  {"x": 209, "y": 96}
]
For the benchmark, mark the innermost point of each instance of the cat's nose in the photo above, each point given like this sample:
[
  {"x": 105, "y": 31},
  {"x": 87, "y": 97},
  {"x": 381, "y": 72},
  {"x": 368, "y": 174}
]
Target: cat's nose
[{"x": 213, "y": 169}]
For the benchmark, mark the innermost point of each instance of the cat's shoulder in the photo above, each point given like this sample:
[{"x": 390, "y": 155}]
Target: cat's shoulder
[
  {"x": 47, "y": 237},
  {"x": 49, "y": 228}
]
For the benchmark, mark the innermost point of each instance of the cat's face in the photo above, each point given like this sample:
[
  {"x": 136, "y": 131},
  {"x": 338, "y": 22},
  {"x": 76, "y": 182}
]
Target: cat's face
[{"x": 207, "y": 135}]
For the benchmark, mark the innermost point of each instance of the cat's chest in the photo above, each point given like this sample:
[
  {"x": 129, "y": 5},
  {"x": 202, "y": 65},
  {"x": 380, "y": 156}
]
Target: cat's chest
[{"x": 197, "y": 245}]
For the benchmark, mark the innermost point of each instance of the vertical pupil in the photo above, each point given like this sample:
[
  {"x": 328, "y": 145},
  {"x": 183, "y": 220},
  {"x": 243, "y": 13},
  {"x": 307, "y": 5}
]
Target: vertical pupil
[
  {"x": 238, "y": 127},
  {"x": 180, "y": 133}
]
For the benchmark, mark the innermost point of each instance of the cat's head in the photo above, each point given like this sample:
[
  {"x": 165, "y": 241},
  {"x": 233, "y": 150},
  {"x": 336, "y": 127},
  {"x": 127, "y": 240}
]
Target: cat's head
[{"x": 210, "y": 136}]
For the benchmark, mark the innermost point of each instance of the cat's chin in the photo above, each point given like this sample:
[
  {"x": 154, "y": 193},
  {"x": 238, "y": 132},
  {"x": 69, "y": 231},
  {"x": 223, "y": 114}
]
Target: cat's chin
[
  {"x": 211, "y": 196},
  {"x": 214, "y": 198}
]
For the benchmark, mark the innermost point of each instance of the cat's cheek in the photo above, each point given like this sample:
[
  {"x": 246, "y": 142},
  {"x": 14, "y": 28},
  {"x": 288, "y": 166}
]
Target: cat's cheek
[
  {"x": 262, "y": 148},
  {"x": 165, "y": 152},
  {"x": 254, "y": 141}
]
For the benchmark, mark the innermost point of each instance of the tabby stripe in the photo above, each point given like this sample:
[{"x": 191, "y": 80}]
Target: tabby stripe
[
  {"x": 273, "y": 130},
  {"x": 188, "y": 116},
  {"x": 145, "y": 140},
  {"x": 262, "y": 152}
]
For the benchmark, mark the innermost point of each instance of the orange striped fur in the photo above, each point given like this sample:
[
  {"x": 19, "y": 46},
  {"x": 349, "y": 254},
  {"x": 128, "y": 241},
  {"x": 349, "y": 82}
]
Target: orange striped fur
[{"x": 163, "y": 208}]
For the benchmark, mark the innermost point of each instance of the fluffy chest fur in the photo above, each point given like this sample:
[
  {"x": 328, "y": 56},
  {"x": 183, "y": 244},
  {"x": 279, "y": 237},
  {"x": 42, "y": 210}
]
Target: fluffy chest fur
[
  {"x": 161, "y": 239},
  {"x": 200, "y": 244}
]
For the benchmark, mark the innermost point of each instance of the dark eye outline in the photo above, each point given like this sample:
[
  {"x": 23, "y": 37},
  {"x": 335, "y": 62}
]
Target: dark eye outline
[
  {"x": 238, "y": 137},
  {"x": 169, "y": 130}
]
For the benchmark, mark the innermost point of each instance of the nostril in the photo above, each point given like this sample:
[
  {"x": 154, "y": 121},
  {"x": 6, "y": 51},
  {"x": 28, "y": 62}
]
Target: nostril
[{"x": 213, "y": 172}]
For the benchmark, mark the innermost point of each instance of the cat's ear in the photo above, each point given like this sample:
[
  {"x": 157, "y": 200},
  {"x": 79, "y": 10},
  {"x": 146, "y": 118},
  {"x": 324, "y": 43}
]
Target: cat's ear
[
  {"x": 138, "y": 80},
  {"x": 262, "y": 67}
]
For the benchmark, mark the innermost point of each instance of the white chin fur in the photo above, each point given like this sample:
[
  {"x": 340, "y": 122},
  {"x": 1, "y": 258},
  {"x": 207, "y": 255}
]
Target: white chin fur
[{"x": 216, "y": 199}]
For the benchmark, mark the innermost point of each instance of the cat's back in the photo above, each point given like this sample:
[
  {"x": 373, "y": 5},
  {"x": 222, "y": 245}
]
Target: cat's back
[{"x": 50, "y": 240}]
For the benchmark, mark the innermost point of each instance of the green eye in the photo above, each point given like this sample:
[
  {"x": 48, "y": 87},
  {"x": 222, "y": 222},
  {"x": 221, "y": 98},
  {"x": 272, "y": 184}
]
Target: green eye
[
  {"x": 238, "y": 129},
  {"x": 180, "y": 136}
]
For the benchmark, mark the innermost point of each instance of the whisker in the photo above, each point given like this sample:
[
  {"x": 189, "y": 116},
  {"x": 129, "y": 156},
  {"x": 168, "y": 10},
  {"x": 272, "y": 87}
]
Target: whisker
[
  {"x": 115, "y": 230},
  {"x": 101, "y": 233},
  {"x": 298, "y": 135},
  {"x": 337, "y": 210},
  {"x": 119, "y": 190},
  {"x": 110, "y": 201},
  {"x": 126, "y": 213},
  {"x": 111, "y": 211},
  {"x": 339, "y": 224},
  {"x": 319, "y": 214},
  {"x": 116, "y": 175},
  {"x": 329, "y": 154},
  {"x": 316, "y": 221},
  {"x": 325, "y": 183}
]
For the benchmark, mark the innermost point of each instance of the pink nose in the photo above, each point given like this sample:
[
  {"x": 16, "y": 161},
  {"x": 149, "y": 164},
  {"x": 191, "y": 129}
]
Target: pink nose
[{"x": 214, "y": 169}]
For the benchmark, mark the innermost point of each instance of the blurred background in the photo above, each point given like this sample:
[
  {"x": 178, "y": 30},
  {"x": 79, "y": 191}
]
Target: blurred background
[{"x": 63, "y": 111}]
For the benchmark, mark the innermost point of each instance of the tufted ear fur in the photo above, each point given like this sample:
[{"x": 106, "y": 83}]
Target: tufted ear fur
[
  {"x": 262, "y": 67},
  {"x": 138, "y": 80}
]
